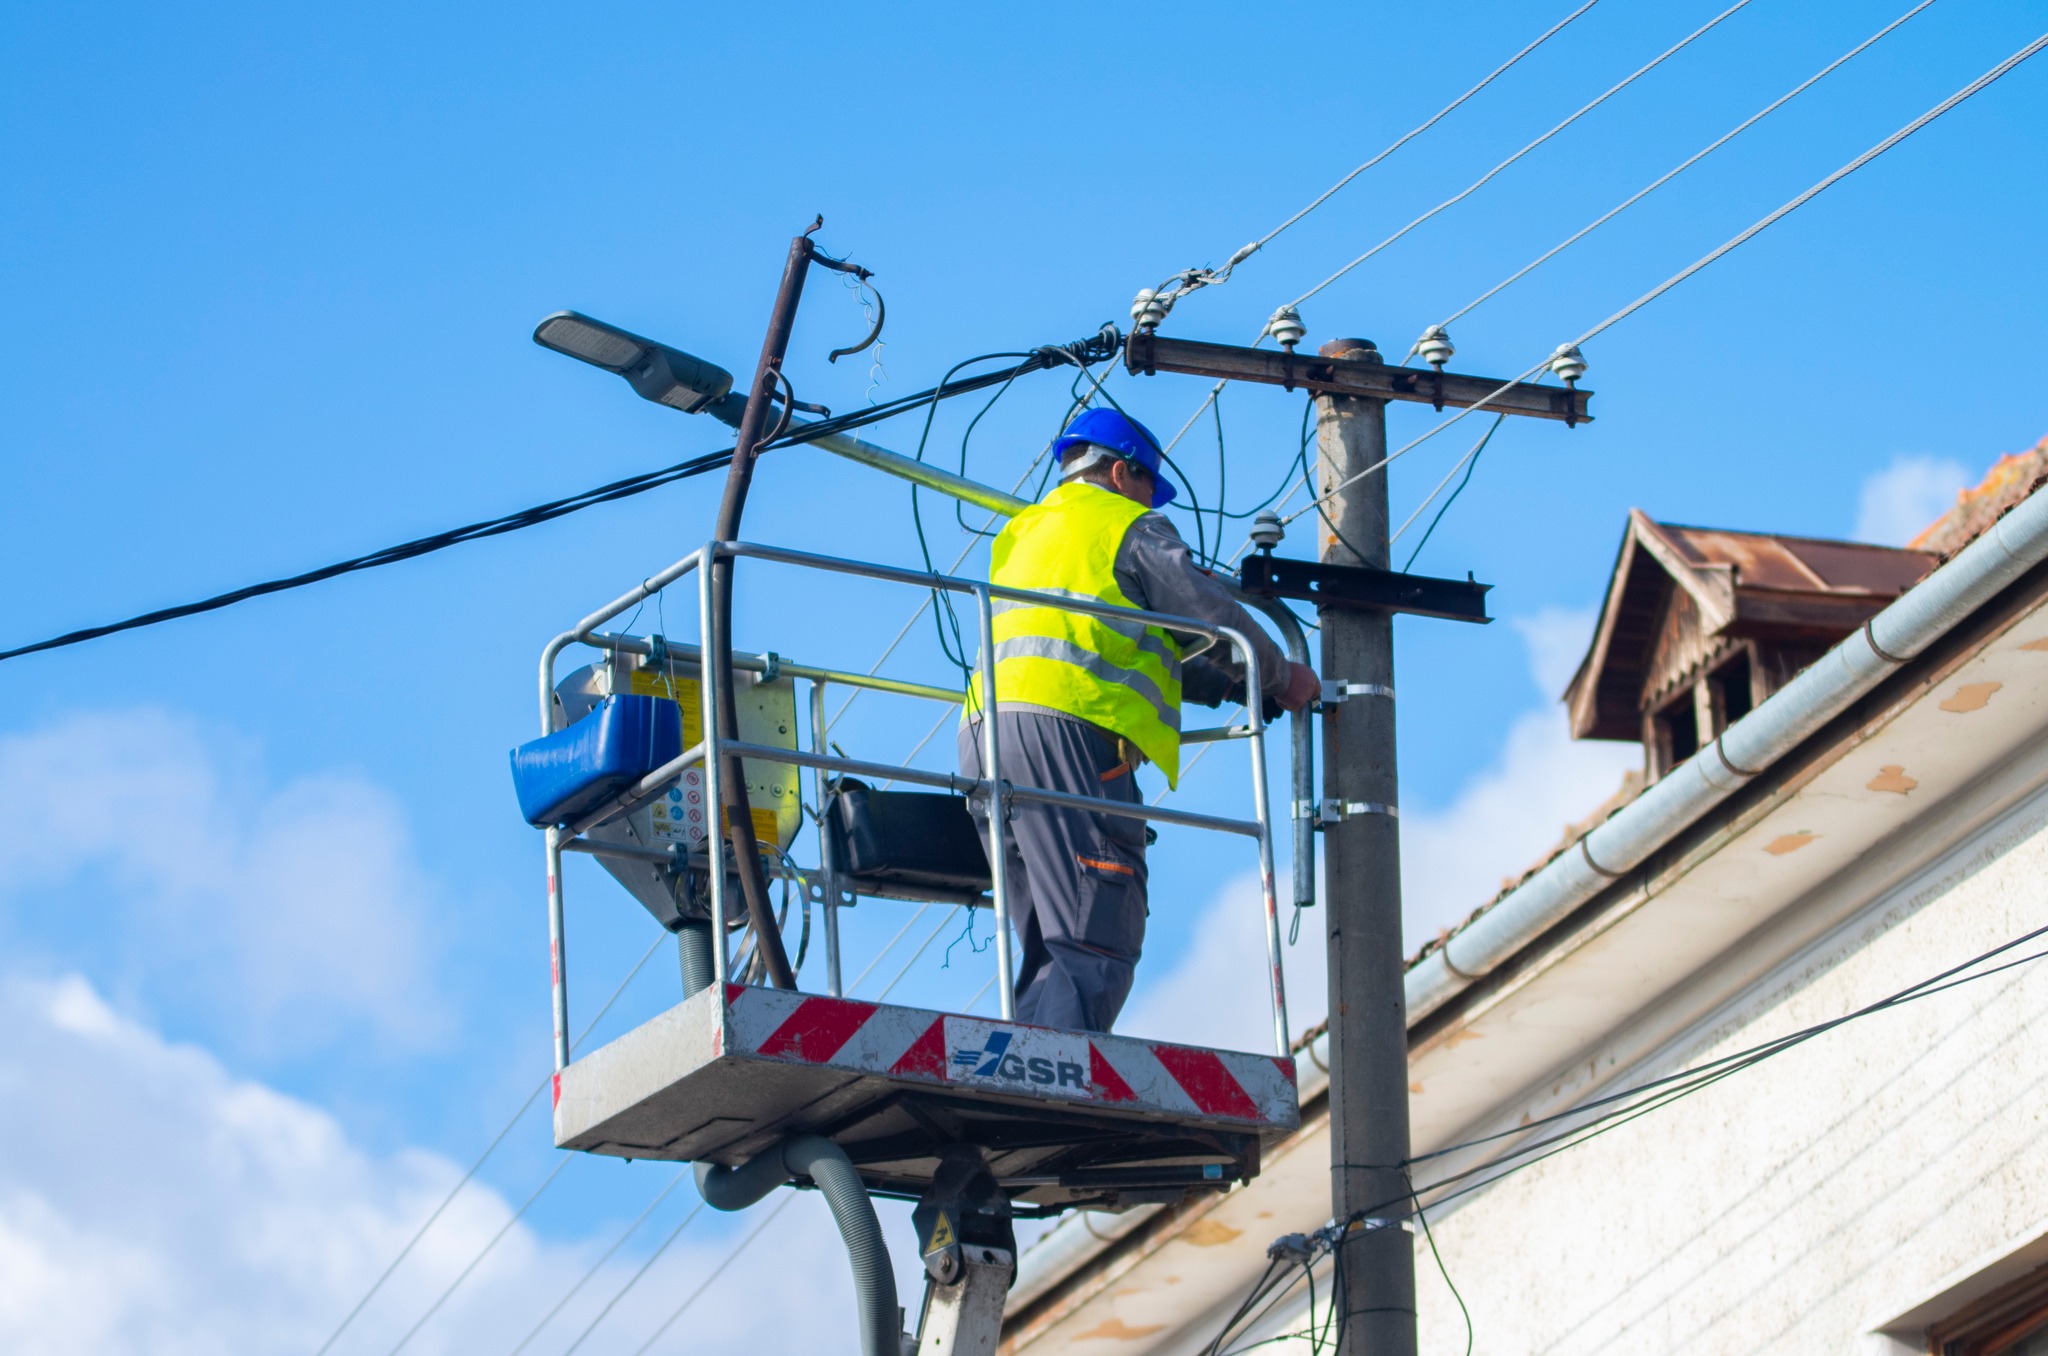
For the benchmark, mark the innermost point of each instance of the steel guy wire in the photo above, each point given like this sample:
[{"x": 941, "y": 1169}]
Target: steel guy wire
[
  {"x": 477, "y": 1260},
  {"x": 1734, "y": 242},
  {"x": 922, "y": 947},
  {"x": 921, "y": 911},
  {"x": 1676, "y": 170},
  {"x": 489, "y": 1149},
  {"x": 598, "y": 1265},
  {"x": 937, "y": 725},
  {"x": 716, "y": 1272},
  {"x": 634, "y": 1279},
  {"x": 1483, "y": 179},
  {"x": 981, "y": 993},
  {"x": 1195, "y": 279}
]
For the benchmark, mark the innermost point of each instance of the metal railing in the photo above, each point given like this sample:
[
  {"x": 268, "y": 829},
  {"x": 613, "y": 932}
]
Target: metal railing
[{"x": 710, "y": 751}]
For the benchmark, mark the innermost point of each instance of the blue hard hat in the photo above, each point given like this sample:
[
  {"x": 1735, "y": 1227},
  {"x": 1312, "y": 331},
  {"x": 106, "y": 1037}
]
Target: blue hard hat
[{"x": 1123, "y": 435}]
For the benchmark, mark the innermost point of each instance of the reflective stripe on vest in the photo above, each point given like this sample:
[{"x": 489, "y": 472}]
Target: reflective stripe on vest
[{"x": 1123, "y": 676}]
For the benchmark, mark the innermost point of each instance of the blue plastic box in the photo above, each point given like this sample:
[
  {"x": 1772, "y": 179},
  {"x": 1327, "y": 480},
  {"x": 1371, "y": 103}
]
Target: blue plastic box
[{"x": 624, "y": 738}]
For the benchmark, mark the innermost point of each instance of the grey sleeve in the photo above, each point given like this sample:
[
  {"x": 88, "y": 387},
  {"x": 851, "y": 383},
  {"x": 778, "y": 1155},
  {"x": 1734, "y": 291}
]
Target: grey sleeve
[{"x": 1156, "y": 571}]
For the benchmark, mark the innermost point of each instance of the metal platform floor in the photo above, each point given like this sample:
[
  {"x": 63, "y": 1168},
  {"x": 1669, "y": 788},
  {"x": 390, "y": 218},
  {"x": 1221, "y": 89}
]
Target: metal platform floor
[{"x": 1064, "y": 1117}]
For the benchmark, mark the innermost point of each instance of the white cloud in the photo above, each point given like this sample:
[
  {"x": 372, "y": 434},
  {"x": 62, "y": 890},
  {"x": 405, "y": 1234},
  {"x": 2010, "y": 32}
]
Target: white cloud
[
  {"x": 1454, "y": 859},
  {"x": 152, "y": 1202},
  {"x": 285, "y": 914},
  {"x": 1895, "y": 504}
]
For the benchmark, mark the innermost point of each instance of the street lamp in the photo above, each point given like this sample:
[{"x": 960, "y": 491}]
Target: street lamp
[{"x": 657, "y": 372}]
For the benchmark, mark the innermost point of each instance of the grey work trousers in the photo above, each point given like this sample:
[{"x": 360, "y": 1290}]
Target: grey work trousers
[{"x": 1076, "y": 879}]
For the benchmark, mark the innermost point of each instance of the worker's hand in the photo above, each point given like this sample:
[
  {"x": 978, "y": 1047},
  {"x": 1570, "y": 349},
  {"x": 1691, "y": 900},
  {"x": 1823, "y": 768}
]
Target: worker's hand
[{"x": 1302, "y": 687}]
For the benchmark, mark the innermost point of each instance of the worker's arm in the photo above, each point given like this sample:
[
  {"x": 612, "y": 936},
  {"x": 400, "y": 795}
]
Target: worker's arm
[{"x": 1156, "y": 571}]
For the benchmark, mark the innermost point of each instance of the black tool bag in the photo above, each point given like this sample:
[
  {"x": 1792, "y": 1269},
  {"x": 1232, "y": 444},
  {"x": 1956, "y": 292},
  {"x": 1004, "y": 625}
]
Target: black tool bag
[{"x": 907, "y": 844}]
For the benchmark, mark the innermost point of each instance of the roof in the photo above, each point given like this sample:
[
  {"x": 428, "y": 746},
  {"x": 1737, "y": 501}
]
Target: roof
[
  {"x": 2012, "y": 478},
  {"x": 1744, "y": 584}
]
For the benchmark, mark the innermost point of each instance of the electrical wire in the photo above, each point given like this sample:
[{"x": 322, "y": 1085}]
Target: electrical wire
[
  {"x": 922, "y": 947},
  {"x": 1470, "y": 463},
  {"x": 922, "y": 909},
  {"x": 605, "y": 1257},
  {"x": 634, "y": 1279},
  {"x": 477, "y": 1260},
  {"x": 1678, "y": 169},
  {"x": 947, "y": 621},
  {"x": 1487, "y": 177},
  {"x": 1623, "y": 1107},
  {"x": 1734, "y": 242},
  {"x": 1098, "y": 347},
  {"x": 958, "y": 560},
  {"x": 1194, "y": 279},
  {"x": 1422, "y": 1217},
  {"x": 489, "y": 1149},
  {"x": 716, "y": 1272},
  {"x": 392, "y": 555},
  {"x": 1618, "y": 1109}
]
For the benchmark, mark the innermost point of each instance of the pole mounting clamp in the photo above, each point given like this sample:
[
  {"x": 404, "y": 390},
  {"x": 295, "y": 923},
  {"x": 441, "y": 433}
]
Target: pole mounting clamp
[
  {"x": 1336, "y": 690},
  {"x": 1336, "y": 812}
]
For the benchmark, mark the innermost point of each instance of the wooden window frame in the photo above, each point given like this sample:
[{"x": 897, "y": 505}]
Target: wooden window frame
[{"x": 1995, "y": 1323}]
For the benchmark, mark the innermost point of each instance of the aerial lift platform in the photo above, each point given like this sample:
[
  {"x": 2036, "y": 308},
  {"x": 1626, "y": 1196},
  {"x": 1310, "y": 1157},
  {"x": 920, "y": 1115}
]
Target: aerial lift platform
[{"x": 627, "y": 770}]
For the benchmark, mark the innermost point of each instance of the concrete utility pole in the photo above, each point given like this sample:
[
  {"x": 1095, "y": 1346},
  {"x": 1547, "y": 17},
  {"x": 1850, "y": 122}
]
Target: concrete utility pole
[
  {"x": 1362, "y": 889},
  {"x": 1357, "y": 592}
]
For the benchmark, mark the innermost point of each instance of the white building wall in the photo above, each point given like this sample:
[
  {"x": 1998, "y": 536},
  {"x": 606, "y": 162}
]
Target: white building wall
[{"x": 1802, "y": 1203}]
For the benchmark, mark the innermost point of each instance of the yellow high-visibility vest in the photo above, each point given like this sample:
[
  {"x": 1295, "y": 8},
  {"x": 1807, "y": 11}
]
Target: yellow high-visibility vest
[{"x": 1121, "y": 676}]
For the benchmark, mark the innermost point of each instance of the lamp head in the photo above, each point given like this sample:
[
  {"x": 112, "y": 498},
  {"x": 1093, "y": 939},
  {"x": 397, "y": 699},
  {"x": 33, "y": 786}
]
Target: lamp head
[{"x": 657, "y": 372}]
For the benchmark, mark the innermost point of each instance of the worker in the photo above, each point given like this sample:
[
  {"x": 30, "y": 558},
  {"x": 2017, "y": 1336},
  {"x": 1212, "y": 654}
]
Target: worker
[{"x": 1082, "y": 701}]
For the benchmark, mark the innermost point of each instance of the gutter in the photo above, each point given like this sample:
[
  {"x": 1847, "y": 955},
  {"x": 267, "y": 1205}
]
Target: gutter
[{"x": 1744, "y": 751}]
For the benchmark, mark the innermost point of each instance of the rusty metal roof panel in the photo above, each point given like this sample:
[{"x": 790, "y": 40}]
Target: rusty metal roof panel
[{"x": 1766, "y": 560}]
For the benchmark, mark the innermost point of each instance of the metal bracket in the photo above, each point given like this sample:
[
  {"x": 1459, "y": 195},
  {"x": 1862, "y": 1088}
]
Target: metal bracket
[
  {"x": 1335, "y": 691},
  {"x": 1362, "y": 588},
  {"x": 771, "y": 667},
  {"x": 1338, "y": 811}
]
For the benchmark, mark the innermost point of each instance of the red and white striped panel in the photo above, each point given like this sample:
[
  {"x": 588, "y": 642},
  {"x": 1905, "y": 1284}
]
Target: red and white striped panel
[{"x": 910, "y": 1043}]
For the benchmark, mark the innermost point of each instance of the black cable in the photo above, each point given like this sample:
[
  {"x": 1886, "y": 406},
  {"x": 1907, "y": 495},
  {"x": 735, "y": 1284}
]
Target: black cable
[
  {"x": 1442, "y": 1270},
  {"x": 1471, "y": 465},
  {"x": 1675, "y": 1087},
  {"x": 1742, "y": 1059},
  {"x": 391, "y": 555},
  {"x": 946, "y": 621},
  {"x": 1095, "y": 348},
  {"x": 958, "y": 505}
]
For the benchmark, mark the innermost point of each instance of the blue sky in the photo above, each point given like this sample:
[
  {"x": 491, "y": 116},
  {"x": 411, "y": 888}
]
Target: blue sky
[{"x": 274, "y": 273}]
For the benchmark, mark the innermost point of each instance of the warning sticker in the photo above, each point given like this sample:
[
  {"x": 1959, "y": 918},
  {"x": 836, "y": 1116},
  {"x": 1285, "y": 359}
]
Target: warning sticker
[
  {"x": 942, "y": 1234},
  {"x": 684, "y": 692}
]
